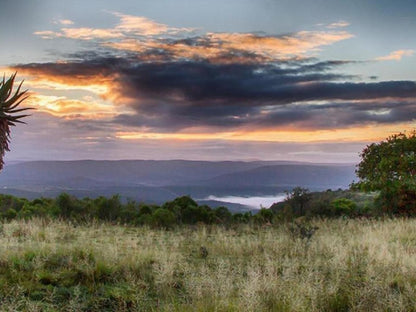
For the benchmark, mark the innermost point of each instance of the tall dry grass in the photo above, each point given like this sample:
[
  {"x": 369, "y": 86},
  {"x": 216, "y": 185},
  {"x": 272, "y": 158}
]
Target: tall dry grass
[{"x": 347, "y": 265}]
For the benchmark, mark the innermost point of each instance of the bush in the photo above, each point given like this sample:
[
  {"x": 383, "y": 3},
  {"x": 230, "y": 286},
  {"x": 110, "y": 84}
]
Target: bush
[
  {"x": 109, "y": 209},
  {"x": 67, "y": 205},
  {"x": 343, "y": 207},
  {"x": 263, "y": 216},
  {"x": 9, "y": 214},
  {"x": 163, "y": 218},
  {"x": 223, "y": 215},
  {"x": 129, "y": 212}
]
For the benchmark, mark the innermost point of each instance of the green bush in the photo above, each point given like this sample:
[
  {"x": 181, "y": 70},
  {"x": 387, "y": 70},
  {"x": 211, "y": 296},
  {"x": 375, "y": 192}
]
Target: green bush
[
  {"x": 108, "y": 209},
  {"x": 222, "y": 215},
  {"x": 163, "y": 218},
  {"x": 67, "y": 205},
  {"x": 9, "y": 214},
  {"x": 343, "y": 206}
]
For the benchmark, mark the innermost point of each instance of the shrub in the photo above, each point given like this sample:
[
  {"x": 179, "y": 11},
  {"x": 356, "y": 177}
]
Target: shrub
[
  {"x": 108, "y": 209},
  {"x": 10, "y": 214},
  {"x": 67, "y": 205},
  {"x": 163, "y": 218},
  {"x": 343, "y": 206},
  {"x": 222, "y": 215},
  {"x": 302, "y": 229}
]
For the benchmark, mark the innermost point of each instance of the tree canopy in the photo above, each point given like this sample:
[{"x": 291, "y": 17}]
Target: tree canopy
[{"x": 390, "y": 168}]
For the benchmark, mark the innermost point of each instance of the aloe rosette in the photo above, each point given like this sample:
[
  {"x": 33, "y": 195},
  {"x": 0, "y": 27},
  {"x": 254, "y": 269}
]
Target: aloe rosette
[{"x": 9, "y": 112}]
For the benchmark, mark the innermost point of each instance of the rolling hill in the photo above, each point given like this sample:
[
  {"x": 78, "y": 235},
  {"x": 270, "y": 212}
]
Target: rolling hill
[{"x": 159, "y": 181}]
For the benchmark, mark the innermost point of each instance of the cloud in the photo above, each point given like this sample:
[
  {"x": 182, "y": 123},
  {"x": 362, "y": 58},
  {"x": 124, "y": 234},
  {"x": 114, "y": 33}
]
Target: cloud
[
  {"x": 178, "y": 96},
  {"x": 61, "y": 106},
  {"x": 278, "y": 46},
  {"x": 128, "y": 25},
  {"x": 339, "y": 24},
  {"x": 396, "y": 55},
  {"x": 142, "y": 35},
  {"x": 138, "y": 25},
  {"x": 65, "y": 22},
  {"x": 242, "y": 46},
  {"x": 83, "y": 33},
  {"x": 172, "y": 83},
  {"x": 90, "y": 77},
  {"x": 46, "y": 137},
  {"x": 47, "y": 34},
  {"x": 233, "y": 47}
]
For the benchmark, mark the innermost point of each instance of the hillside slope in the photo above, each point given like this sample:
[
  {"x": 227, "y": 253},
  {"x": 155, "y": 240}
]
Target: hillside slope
[{"x": 160, "y": 181}]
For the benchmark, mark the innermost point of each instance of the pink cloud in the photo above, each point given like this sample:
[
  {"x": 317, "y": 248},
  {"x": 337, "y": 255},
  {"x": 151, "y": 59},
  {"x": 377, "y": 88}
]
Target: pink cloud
[
  {"x": 140, "y": 34},
  {"x": 396, "y": 55}
]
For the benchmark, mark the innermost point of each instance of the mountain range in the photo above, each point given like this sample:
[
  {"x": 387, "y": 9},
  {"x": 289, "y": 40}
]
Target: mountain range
[{"x": 159, "y": 181}]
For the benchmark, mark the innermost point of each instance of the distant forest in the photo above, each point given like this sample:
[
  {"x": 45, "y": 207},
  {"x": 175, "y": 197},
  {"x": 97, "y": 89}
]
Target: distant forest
[{"x": 185, "y": 211}]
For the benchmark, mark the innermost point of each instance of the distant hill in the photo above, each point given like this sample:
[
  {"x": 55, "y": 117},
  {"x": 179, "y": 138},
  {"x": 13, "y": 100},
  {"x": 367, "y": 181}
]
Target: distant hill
[
  {"x": 313, "y": 176},
  {"x": 160, "y": 181},
  {"x": 121, "y": 172}
]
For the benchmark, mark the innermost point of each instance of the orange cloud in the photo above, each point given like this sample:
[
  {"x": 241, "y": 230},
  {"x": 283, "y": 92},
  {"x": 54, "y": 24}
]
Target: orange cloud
[
  {"x": 140, "y": 25},
  {"x": 276, "y": 47},
  {"x": 143, "y": 26},
  {"x": 61, "y": 106},
  {"x": 354, "y": 134},
  {"x": 396, "y": 55},
  {"x": 55, "y": 83},
  {"x": 140, "y": 34},
  {"x": 129, "y": 25},
  {"x": 133, "y": 45},
  {"x": 104, "y": 102},
  {"x": 83, "y": 33},
  {"x": 90, "y": 33},
  {"x": 218, "y": 47},
  {"x": 96, "y": 84}
]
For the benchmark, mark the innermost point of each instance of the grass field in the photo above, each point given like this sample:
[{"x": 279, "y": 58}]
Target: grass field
[{"x": 347, "y": 265}]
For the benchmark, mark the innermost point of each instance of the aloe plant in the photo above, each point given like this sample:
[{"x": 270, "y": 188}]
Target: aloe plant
[{"x": 9, "y": 106}]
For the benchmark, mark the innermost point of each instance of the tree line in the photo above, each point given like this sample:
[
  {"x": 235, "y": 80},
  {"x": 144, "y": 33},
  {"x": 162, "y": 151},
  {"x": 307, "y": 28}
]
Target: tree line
[{"x": 180, "y": 211}]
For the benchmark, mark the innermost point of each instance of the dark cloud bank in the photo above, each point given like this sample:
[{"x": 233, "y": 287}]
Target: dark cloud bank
[{"x": 176, "y": 94}]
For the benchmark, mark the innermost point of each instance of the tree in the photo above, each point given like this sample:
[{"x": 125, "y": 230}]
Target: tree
[
  {"x": 298, "y": 199},
  {"x": 264, "y": 215},
  {"x": 9, "y": 105},
  {"x": 223, "y": 215},
  {"x": 390, "y": 168},
  {"x": 67, "y": 205},
  {"x": 108, "y": 209},
  {"x": 182, "y": 208},
  {"x": 163, "y": 217}
]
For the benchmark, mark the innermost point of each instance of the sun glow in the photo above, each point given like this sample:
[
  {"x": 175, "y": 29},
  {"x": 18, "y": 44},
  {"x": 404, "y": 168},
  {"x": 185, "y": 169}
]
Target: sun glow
[{"x": 366, "y": 133}]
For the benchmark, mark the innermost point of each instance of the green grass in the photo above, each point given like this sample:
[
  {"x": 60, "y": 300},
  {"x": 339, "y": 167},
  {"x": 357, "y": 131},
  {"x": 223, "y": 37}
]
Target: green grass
[{"x": 347, "y": 265}]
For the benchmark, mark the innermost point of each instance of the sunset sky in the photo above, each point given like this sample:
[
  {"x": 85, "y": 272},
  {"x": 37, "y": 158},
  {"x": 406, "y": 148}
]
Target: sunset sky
[{"x": 210, "y": 80}]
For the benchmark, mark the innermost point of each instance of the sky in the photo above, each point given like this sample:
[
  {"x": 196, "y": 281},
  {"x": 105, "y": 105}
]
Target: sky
[{"x": 209, "y": 80}]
